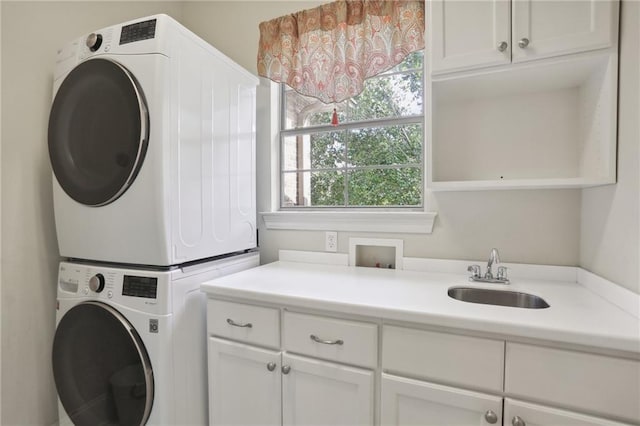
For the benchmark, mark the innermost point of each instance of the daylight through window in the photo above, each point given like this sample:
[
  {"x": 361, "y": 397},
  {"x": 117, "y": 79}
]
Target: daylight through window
[{"x": 373, "y": 157}]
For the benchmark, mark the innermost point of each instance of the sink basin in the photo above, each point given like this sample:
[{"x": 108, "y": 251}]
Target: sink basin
[{"x": 497, "y": 297}]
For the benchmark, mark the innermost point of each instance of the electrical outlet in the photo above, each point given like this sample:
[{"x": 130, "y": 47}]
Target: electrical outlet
[{"x": 331, "y": 241}]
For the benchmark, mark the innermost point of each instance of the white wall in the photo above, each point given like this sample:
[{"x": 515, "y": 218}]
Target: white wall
[
  {"x": 610, "y": 231},
  {"x": 527, "y": 226},
  {"x": 31, "y": 34}
]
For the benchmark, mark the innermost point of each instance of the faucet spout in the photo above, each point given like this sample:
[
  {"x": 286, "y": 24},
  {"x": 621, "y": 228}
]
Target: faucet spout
[{"x": 494, "y": 257}]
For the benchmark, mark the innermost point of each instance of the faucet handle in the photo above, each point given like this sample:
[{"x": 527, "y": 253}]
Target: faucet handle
[
  {"x": 475, "y": 270},
  {"x": 502, "y": 273}
]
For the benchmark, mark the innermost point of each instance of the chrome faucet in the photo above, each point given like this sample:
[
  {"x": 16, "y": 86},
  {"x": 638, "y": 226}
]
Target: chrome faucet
[
  {"x": 494, "y": 257},
  {"x": 501, "y": 275}
]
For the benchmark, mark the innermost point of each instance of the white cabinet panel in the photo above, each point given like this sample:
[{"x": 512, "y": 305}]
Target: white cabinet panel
[
  {"x": 412, "y": 402},
  {"x": 466, "y": 34},
  {"x": 246, "y": 323},
  {"x": 574, "y": 379},
  {"x": 443, "y": 357},
  {"x": 561, "y": 27},
  {"x": 537, "y": 415},
  {"x": 350, "y": 342},
  {"x": 322, "y": 393},
  {"x": 244, "y": 389}
]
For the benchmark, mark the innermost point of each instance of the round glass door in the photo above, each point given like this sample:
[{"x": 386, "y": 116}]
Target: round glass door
[
  {"x": 98, "y": 132},
  {"x": 101, "y": 369}
]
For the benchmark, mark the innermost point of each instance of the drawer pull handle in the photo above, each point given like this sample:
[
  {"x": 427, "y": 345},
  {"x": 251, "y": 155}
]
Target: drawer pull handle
[
  {"x": 236, "y": 324},
  {"x": 271, "y": 366},
  {"x": 286, "y": 369},
  {"x": 326, "y": 342}
]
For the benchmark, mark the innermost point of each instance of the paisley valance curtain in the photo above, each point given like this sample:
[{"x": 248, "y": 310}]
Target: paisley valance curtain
[{"x": 327, "y": 52}]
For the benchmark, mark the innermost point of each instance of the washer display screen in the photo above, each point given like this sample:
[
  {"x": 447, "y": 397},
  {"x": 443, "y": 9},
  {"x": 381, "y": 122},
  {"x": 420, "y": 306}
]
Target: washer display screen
[{"x": 140, "y": 286}]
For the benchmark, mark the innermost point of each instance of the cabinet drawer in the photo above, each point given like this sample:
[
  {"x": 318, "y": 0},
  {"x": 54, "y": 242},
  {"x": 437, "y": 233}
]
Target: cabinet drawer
[
  {"x": 442, "y": 357},
  {"x": 349, "y": 342},
  {"x": 246, "y": 323},
  {"x": 574, "y": 379}
]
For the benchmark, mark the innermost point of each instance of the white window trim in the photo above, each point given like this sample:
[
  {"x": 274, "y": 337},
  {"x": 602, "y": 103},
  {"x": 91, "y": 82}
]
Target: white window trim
[
  {"x": 413, "y": 222},
  {"x": 351, "y": 221}
]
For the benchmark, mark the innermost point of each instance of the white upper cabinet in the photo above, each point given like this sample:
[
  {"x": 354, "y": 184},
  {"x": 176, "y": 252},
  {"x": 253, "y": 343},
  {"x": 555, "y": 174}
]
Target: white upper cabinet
[
  {"x": 469, "y": 34},
  {"x": 543, "y": 28},
  {"x": 473, "y": 34}
]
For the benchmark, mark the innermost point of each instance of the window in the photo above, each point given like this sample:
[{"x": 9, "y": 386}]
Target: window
[{"x": 373, "y": 155}]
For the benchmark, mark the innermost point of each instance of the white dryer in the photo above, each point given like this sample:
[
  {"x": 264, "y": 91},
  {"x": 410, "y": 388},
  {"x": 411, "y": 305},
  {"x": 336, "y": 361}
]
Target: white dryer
[
  {"x": 152, "y": 145},
  {"x": 130, "y": 344}
]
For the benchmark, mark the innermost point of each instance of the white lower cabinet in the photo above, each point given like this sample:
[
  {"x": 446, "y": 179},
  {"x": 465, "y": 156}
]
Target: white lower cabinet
[
  {"x": 244, "y": 384},
  {"x": 518, "y": 413},
  {"x": 252, "y": 385},
  {"x": 322, "y": 393},
  {"x": 413, "y": 402},
  {"x": 270, "y": 366}
]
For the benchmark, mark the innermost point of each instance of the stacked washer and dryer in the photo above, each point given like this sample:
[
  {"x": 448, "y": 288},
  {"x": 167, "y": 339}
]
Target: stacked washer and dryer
[{"x": 152, "y": 145}]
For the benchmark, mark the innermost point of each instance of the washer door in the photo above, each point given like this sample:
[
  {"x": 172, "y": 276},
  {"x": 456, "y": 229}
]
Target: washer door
[
  {"x": 98, "y": 132},
  {"x": 101, "y": 368}
]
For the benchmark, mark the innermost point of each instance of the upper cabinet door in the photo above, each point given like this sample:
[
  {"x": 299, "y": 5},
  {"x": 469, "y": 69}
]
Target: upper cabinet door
[
  {"x": 543, "y": 28},
  {"x": 469, "y": 34}
]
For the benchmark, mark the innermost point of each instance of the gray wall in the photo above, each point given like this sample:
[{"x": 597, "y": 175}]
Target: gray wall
[
  {"x": 610, "y": 231},
  {"x": 527, "y": 226}
]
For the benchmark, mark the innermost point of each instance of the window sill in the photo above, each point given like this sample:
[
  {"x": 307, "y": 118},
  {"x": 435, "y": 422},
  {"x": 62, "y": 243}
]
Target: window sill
[{"x": 396, "y": 222}]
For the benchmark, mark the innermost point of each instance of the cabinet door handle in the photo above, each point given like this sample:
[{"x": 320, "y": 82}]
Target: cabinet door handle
[
  {"x": 523, "y": 42},
  {"x": 286, "y": 369},
  {"x": 502, "y": 46},
  {"x": 491, "y": 417},
  {"x": 517, "y": 421},
  {"x": 237, "y": 324},
  {"x": 271, "y": 366},
  {"x": 326, "y": 342}
]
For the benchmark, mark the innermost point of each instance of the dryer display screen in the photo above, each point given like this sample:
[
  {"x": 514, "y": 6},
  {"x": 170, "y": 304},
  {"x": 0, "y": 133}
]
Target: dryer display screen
[
  {"x": 140, "y": 286},
  {"x": 138, "y": 31}
]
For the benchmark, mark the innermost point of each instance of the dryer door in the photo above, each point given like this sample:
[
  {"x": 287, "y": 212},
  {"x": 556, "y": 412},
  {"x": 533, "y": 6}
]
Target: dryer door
[
  {"x": 98, "y": 132},
  {"x": 101, "y": 368}
]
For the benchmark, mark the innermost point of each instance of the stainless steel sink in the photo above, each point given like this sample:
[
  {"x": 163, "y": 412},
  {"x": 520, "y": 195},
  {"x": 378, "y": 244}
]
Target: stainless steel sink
[{"x": 497, "y": 297}]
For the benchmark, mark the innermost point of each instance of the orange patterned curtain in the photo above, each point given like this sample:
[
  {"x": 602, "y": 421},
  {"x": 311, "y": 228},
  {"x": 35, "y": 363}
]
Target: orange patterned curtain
[{"x": 327, "y": 52}]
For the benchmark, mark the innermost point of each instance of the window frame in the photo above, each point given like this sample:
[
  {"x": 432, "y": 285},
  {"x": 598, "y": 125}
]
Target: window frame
[
  {"x": 352, "y": 219},
  {"x": 283, "y": 133}
]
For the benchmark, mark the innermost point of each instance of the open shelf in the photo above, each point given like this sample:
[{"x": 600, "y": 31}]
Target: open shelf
[{"x": 535, "y": 125}]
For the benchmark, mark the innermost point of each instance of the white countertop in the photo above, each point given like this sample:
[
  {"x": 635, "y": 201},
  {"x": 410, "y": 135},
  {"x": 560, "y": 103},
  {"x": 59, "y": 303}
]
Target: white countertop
[{"x": 576, "y": 315}]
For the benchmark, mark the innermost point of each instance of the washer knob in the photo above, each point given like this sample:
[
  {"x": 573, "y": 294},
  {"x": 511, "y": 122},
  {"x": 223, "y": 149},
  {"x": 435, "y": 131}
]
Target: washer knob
[
  {"x": 96, "y": 283},
  {"x": 94, "y": 41}
]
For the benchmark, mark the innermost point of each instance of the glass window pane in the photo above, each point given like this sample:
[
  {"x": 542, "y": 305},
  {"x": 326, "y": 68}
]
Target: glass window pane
[
  {"x": 396, "y": 93},
  {"x": 313, "y": 189},
  {"x": 389, "y": 145},
  {"x": 324, "y": 150},
  {"x": 385, "y": 187}
]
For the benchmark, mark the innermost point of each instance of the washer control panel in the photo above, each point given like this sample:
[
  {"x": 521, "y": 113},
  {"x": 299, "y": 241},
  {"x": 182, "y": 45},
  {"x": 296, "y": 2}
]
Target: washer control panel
[{"x": 134, "y": 288}]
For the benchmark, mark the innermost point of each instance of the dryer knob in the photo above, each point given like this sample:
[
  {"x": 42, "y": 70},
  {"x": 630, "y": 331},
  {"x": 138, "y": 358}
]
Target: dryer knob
[
  {"x": 96, "y": 283},
  {"x": 94, "y": 41}
]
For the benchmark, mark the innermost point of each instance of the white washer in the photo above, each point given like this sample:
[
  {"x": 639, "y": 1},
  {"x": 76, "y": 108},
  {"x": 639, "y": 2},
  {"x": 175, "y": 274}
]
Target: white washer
[
  {"x": 130, "y": 344},
  {"x": 152, "y": 145}
]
